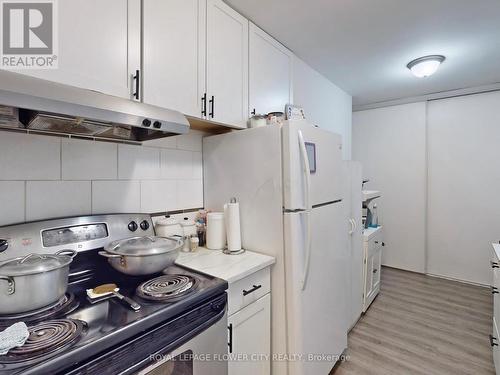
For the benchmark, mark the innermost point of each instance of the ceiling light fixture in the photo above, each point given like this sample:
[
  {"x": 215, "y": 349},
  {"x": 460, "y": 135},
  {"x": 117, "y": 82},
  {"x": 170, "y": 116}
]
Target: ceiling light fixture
[{"x": 425, "y": 66}]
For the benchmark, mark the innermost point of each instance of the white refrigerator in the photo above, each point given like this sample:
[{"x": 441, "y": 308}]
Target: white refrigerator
[{"x": 288, "y": 181}]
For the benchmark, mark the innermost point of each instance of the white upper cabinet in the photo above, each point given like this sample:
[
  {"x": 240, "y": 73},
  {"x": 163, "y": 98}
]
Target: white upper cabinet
[
  {"x": 227, "y": 64},
  {"x": 174, "y": 54},
  {"x": 99, "y": 46},
  {"x": 270, "y": 73}
]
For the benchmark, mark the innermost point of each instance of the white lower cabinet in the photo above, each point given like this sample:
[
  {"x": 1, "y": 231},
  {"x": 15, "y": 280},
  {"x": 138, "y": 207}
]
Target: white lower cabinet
[
  {"x": 495, "y": 289},
  {"x": 372, "y": 267},
  {"x": 249, "y": 339},
  {"x": 249, "y": 325}
]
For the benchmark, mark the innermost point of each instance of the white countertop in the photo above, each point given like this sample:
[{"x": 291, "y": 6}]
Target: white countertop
[
  {"x": 227, "y": 267},
  {"x": 496, "y": 247},
  {"x": 370, "y": 232}
]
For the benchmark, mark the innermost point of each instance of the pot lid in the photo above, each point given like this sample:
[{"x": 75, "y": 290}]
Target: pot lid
[
  {"x": 36, "y": 263},
  {"x": 141, "y": 246}
]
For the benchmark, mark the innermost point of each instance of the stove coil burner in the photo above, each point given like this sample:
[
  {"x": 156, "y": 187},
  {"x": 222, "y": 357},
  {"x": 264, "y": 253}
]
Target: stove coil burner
[
  {"x": 47, "y": 338},
  {"x": 166, "y": 288},
  {"x": 67, "y": 304}
]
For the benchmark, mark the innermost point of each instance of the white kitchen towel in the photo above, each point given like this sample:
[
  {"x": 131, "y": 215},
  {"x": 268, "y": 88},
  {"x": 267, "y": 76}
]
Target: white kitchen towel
[
  {"x": 233, "y": 228},
  {"x": 13, "y": 337}
]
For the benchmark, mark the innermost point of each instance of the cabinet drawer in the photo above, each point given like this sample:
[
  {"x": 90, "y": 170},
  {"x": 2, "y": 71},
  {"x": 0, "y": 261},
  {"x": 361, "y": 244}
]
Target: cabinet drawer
[
  {"x": 245, "y": 291},
  {"x": 375, "y": 242}
]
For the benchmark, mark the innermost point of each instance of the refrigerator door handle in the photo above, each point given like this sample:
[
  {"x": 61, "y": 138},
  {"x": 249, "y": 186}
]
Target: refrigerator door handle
[
  {"x": 353, "y": 226},
  {"x": 307, "y": 175}
]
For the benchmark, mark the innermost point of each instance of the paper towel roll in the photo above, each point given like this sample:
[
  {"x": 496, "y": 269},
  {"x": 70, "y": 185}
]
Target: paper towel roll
[{"x": 233, "y": 229}]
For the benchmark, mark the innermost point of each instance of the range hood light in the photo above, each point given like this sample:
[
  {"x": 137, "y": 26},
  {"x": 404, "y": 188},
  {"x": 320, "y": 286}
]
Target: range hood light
[{"x": 425, "y": 66}]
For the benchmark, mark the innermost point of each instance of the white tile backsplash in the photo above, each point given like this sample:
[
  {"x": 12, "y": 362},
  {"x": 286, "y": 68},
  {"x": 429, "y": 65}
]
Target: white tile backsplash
[
  {"x": 116, "y": 197},
  {"x": 159, "y": 196},
  {"x": 138, "y": 163},
  {"x": 43, "y": 177},
  {"x": 29, "y": 157},
  {"x": 88, "y": 160},
  {"x": 190, "y": 193},
  {"x": 176, "y": 164},
  {"x": 191, "y": 141},
  {"x": 12, "y": 200},
  {"x": 57, "y": 198},
  {"x": 197, "y": 172}
]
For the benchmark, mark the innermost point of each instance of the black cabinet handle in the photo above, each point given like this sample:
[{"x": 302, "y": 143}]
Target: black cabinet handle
[
  {"x": 494, "y": 265},
  {"x": 230, "y": 343},
  {"x": 4, "y": 244},
  {"x": 494, "y": 290},
  {"x": 137, "y": 77},
  {"x": 255, "y": 287},
  {"x": 204, "y": 104},
  {"x": 492, "y": 341},
  {"x": 375, "y": 270},
  {"x": 212, "y": 107},
  {"x": 253, "y": 112}
]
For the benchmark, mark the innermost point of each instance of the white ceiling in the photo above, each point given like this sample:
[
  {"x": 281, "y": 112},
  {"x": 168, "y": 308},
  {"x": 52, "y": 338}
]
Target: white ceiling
[{"x": 363, "y": 46}]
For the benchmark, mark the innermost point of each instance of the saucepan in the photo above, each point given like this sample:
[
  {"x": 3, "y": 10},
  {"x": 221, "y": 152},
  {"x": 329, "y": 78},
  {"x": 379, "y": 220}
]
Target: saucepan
[
  {"x": 142, "y": 255},
  {"x": 33, "y": 281}
]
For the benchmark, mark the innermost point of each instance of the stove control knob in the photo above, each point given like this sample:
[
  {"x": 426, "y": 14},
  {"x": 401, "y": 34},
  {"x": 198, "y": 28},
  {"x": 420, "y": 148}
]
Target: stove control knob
[
  {"x": 146, "y": 123},
  {"x": 4, "y": 244},
  {"x": 132, "y": 226},
  {"x": 144, "y": 225},
  {"x": 157, "y": 124}
]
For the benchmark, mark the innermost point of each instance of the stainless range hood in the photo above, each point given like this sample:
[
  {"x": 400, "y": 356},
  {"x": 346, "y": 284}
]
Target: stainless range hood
[{"x": 61, "y": 109}]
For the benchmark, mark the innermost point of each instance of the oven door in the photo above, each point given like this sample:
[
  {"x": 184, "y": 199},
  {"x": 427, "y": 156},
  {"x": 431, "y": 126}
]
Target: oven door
[{"x": 205, "y": 354}]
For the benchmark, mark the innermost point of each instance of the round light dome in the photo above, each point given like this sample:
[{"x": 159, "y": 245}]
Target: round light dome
[{"x": 425, "y": 66}]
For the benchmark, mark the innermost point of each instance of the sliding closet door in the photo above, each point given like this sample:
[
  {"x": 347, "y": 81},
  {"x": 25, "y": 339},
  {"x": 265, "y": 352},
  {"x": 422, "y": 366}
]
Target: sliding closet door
[{"x": 463, "y": 185}]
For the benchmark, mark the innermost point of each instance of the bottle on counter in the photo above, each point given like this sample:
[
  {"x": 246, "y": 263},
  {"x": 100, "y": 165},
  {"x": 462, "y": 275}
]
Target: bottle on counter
[
  {"x": 189, "y": 230},
  {"x": 374, "y": 221}
]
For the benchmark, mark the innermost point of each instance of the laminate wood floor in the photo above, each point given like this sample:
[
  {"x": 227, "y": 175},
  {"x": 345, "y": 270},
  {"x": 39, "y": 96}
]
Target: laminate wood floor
[{"x": 422, "y": 325}]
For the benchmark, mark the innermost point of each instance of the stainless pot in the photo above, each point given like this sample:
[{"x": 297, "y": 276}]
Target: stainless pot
[
  {"x": 34, "y": 281},
  {"x": 142, "y": 255}
]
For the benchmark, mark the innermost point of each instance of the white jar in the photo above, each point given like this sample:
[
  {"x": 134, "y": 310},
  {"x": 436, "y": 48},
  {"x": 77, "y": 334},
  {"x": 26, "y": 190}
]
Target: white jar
[
  {"x": 216, "y": 231},
  {"x": 168, "y": 227}
]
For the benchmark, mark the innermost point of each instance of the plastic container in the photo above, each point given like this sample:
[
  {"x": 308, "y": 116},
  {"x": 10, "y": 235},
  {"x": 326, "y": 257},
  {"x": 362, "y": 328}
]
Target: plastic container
[
  {"x": 216, "y": 231},
  {"x": 374, "y": 221}
]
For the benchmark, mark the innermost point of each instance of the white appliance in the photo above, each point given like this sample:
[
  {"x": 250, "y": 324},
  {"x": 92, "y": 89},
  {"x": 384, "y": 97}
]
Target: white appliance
[
  {"x": 288, "y": 180},
  {"x": 353, "y": 197}
]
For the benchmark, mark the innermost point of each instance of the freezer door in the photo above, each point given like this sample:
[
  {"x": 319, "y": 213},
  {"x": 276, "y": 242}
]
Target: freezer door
[
  {"x": 324, "y": 156},
  {"x": 317, "y": 314}
]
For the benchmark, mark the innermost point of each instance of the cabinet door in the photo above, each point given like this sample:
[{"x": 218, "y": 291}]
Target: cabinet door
[
  {"x": 99, "y": 45},
  {"x": 227, "y": 64},
  {"x": 270, "y": 73},
  {"x": 377, "y": 260},
  {"x": 368, "y": 277},
  {"x": 250, "y": 339},
  {"x": 174, "y": 54}
]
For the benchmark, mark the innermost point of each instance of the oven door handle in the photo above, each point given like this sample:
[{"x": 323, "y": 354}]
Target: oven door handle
[{"x": 230, "y": 343}]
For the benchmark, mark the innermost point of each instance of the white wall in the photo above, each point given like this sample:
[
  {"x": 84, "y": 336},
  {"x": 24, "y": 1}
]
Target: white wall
[
  {"x": 325, "y": 105},
  {"x": 390, "y": 143},
  {"x": 45, "y": 177},
  {"x": 464, "y": 185},
  {"x": 450, "y": 146}
]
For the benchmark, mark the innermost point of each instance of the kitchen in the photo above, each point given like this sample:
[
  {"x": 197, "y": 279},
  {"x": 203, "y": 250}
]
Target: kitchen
[{"x": 230, "y": 187}]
